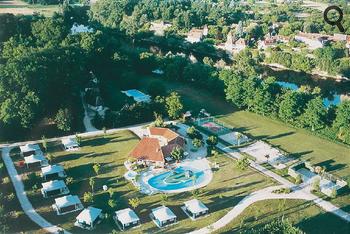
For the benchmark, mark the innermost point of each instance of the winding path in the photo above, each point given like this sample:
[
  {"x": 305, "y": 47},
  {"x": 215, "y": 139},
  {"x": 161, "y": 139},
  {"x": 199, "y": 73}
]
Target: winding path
[
  {"x": 22, "y": 196},
  {"x": 299, "y": 192}
]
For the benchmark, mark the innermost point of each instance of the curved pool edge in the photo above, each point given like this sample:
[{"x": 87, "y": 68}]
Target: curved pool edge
[{"x": 207, "y": 173}]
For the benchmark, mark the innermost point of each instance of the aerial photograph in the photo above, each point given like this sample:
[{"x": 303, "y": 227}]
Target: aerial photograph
[{"x": 175, "y": 116}]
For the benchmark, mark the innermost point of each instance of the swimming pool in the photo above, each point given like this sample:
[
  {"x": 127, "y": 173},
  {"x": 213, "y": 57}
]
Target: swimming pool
[
  {"x": 181, "y": 178},
  {"x": 137, "y": 95}
]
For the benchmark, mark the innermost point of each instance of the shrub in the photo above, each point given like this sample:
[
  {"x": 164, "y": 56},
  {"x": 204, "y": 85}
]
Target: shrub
[
  {"x": 282, "y": 190},
  {"x": 134, "y": 202},
  {"x": 316, "y": 185},
  {"x": 298, "y": 179},
  {"x": 88, "y": 197},
  {"x": 69, "y": 180},
  {"x": 242, "y": 163},
  {"x": 10, "y": 197},
  {"x": 112, "y": 203}
]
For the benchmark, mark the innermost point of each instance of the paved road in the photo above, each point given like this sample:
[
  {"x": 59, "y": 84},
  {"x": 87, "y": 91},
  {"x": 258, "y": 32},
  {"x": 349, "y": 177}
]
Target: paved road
[
  {"x": 22, "y": 196},
  {"x": 260, "y": 195}
]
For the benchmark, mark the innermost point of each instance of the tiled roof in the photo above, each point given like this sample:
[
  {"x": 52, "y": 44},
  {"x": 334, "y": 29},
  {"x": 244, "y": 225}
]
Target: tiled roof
[
  {"x": 148, "y": 149},
  {"x": 164, "y": 132}
]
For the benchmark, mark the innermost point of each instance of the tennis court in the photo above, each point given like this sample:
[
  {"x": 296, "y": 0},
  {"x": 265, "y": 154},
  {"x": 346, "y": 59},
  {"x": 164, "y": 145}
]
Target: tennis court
[{"x": 213, "y": 126}]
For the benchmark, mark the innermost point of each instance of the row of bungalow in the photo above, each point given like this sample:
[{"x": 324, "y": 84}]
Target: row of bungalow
[
  {"x": 162, "y": 216},
  {"x": 126, "y": 218}
]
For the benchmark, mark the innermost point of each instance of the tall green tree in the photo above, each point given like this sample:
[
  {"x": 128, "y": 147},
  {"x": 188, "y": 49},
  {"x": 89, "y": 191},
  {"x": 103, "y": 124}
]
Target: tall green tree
[
  {"x": 174, "y": 105},
  {"x": 315, "y": 114}
]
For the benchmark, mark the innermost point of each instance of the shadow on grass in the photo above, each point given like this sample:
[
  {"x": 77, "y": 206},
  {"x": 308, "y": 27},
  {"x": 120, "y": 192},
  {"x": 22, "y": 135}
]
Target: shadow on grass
[
  {"x": 324, "y": 223},
  {"x": 280, "y": 135},
  {"x": 300, "y": 154},
  {"x": 331, "y": 165}
]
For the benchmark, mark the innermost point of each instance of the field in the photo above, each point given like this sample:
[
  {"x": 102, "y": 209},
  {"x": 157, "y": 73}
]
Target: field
[
  {"x": 13, "y": 208},
  {"x": 18, "y": 7},
  {"x": 302, "y": 214},
  {"x": 300, "y": 143},
  {"x": 226, "y": 189}
]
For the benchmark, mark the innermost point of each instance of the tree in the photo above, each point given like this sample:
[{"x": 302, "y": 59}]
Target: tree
[
  {"x": 110, "y": 192},
  {"x": 109, "y": 13},
  {"x": 196, "y": 143},
  {"x": 242, "y": 163},
  {"x": 134, "y": 202},
  {"x": 97, "y": 168},
  {"x": 50, "y": 157},
  {"x": 88, "y": 197},
  {"x": 212, "y": 141},
  {"x": 112, "y": 203},
  {"x": 64, "y": 120},
  {"x": 164, "y": 198},
  {"x": 298, "y": 179},
  {"x": 342, "y": 121},
  {"x": 316, "y": 185},
  {"x": 174, "y": 105},
  {"x": 177, "y": 153},
  {"x": 291, "y": 106},
  {"x": 92, "y": 183},
  {"x": 315, "y": 114},
  {"x": 156, "y": 88},
  {"x": 278, "y": 226},
  {"x": 158, "y": 122},
  {"x": 44, "y": 142}
]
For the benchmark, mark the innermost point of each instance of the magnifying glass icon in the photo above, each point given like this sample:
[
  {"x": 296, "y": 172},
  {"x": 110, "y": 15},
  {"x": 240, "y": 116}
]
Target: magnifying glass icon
[{"x": 336, "y": 22}]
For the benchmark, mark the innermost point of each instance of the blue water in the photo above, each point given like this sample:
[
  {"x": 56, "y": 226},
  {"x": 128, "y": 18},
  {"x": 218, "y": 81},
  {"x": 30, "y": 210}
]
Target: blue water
[
  {"x": 326, "y": 101},
  {"x": 159, "y": 183},
  {"x": 135, "y": 93}
]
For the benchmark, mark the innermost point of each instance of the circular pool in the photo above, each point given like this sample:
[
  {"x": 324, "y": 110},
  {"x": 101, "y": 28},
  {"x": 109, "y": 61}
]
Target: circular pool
[{"x": 179, "y": 179}]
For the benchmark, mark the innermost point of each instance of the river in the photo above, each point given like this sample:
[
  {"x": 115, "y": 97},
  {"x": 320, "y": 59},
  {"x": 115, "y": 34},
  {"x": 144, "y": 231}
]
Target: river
[{"x": 332, "y": 91}]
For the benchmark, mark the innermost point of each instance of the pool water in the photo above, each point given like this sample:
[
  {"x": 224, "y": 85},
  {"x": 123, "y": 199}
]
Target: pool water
[{"x": 176, "y": 179}]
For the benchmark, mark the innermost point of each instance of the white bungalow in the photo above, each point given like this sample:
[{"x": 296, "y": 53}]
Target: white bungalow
[
  {"x": 36, "y": 160},
  {"x": 67, "y": 204},
  {"x": 53, "y": 172},
  {"x": 162, "y": 216},
  {"x": 194, "y": 209},
  {"x": 29, "y": 149},
  {"x": 70, "y": 143},
  {"x": 126, "y": 218},
  {"x": 89, "y": 218},
  {"x": 54, "y": 188}
]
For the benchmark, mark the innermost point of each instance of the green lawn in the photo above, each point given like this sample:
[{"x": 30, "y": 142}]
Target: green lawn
[
  {"x": 226, "y": 189},
  {"x": 302, "y": 214},
  {"x": 15, "y": 214},
  {"x": 300, "y": 143}
]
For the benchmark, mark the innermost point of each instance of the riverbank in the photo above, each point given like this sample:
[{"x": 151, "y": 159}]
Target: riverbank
[{"x": 316, "y": 73}]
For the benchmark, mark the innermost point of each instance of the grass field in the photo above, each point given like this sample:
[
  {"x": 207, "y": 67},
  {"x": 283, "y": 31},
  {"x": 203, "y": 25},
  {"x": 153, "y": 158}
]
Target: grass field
[
  {"x": 226, "y": 189},
  {"x": 302, "y": 214},
  {"x": 19, "y": 7},
  {"x": 15, "y": 214},
  {"x": 300, "y": 143}
]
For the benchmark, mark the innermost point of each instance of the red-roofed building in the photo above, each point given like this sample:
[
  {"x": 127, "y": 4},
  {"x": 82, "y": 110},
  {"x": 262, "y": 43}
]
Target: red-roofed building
[{"x": 157, "y": 147}]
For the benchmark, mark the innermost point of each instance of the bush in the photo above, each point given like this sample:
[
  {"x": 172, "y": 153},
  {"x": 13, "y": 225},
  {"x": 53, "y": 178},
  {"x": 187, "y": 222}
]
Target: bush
[
  {"x": 242, "y": 163},
  {"x": 88, "y": 197},
  {"x": 282, "y": 191}
]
